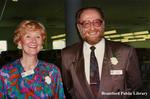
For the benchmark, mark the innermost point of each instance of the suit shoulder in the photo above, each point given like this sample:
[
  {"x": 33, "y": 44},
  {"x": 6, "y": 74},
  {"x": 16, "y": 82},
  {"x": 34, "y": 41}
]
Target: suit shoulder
[
  {"x": 119, "y": 45},
  {"x": 72, "y": 48},
  {"x": 71, "y": 52}
]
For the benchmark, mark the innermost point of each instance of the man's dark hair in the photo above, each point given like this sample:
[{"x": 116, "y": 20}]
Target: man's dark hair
[{"x": 80, "y": 11}]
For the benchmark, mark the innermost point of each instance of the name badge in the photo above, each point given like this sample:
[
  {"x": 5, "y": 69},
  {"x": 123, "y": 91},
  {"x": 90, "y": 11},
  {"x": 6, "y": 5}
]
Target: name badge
[
  {"x": 27, "y": 73},
  {"x": 116, "y": 72}
]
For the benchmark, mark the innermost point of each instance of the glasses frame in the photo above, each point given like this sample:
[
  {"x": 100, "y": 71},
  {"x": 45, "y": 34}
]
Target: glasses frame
[{"x": 95, "y": 23}]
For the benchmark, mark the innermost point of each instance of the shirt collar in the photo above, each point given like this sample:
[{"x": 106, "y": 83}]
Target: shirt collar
[{"x": 98, "y": 45}]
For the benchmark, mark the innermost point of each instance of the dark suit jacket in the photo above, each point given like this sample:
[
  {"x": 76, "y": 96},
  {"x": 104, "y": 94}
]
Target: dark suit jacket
[{"x": 111, "y": 86}]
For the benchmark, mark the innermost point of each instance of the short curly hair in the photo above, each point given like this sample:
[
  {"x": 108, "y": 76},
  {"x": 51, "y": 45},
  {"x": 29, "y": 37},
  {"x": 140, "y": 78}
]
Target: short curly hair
[{"x": 28, "y": 25}]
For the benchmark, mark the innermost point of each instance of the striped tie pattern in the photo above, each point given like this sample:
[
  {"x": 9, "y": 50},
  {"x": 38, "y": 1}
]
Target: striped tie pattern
[{"x": 94, "y": 72}]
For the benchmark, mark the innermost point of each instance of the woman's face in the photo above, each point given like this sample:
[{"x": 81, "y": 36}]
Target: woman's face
[{"x": 31, "y": 43}]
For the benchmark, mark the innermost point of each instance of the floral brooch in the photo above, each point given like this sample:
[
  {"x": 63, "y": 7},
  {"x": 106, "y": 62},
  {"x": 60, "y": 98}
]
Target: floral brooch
[
  {"x": 47, "y": 79},
  {"x": 114, "y": 60}
]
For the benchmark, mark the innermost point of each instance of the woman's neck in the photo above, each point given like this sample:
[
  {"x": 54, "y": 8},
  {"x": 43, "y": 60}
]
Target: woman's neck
[{"x": 29, "y": 63}]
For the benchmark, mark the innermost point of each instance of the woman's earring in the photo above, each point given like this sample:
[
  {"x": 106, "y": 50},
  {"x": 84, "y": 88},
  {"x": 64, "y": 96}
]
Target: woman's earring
[{"x": 19, "y": 46}]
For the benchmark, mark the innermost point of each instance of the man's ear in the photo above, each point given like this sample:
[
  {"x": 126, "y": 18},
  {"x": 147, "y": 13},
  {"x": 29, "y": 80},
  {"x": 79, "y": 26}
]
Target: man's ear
[{"x": 79, "y": 28}]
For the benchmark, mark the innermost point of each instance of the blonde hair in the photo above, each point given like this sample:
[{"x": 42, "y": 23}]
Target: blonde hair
[{"x": 28, "y": 25}]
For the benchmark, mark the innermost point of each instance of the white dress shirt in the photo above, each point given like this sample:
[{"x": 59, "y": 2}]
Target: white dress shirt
[{"x": 99, "y": 53}]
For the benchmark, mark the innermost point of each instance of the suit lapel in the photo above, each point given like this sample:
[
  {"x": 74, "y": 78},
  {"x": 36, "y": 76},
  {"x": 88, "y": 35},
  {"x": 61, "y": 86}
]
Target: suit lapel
[
  {"x": 106, "y": 67},
  {"x": 79, "y": 68}
]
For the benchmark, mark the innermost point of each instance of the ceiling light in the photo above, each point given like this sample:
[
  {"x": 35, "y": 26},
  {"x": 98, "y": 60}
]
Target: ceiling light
[
  {"x": 127, "y": 37},
  {"x": 58, "y": 36},
  {"x": 143, "y": 39},
  {"x": 114, "y": 36},
  {"x": 107, "y": 37},
  {"x": 110, "y": 32},
  {"x": 15, "y": 0},
  {"x": 139, "y": 36},
  {"x": 147, "y": 36},
  {"x": 127, "y": 34},
  {"x": 141, "y": 32},
  {"x": 117, "y": 40},
  {"x": 133, "y": 40},
  {"x": 124, "y": 40}
]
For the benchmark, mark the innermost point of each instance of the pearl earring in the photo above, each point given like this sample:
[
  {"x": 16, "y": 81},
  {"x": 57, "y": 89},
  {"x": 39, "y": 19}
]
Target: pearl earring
[{"x": 19, "y": 46}]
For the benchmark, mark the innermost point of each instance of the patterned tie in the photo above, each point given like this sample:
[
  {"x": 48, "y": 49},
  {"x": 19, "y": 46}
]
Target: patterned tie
[{"x": 94, "y": 72}]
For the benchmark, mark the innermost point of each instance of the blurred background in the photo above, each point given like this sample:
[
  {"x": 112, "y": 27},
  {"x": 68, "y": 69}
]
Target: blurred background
[{"x": 127, "y": 21}]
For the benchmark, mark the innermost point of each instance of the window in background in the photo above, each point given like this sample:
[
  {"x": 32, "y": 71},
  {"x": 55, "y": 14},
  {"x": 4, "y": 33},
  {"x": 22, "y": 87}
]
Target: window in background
[
  {"x": 59, "y": 44},
  {"x": 3, "y": 45},
  {"x": 58, "y": 41}
]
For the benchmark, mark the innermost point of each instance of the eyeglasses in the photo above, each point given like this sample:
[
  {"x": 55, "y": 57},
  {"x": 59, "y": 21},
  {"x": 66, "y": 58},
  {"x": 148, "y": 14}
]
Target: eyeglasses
[{"x": 96, "y": 23}]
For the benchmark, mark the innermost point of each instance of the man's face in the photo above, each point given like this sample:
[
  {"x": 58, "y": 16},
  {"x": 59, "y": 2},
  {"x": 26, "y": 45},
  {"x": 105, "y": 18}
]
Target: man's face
[{"x": 91, "y": 26}]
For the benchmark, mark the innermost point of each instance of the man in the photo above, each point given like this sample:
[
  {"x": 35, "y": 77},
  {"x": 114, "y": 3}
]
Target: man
[{"x": 116, "y": 66}]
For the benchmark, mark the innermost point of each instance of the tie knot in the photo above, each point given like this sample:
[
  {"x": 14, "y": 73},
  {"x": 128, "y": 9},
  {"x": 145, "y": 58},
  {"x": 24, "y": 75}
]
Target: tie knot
[{"x": 92, "y": 48}]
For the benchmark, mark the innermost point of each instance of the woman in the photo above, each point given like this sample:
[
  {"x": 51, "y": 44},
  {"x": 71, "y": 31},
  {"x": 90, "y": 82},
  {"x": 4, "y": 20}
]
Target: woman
[{"x": 29, "y": 77}]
